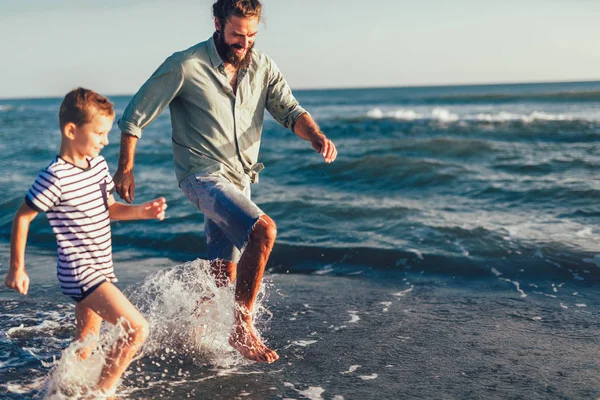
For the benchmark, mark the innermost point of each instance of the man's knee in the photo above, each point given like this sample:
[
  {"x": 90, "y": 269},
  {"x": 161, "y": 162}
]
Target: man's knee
[{"x": 265, "y": 228}]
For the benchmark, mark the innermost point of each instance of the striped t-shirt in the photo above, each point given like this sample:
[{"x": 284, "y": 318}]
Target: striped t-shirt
[{"x": 75, "y": 201}]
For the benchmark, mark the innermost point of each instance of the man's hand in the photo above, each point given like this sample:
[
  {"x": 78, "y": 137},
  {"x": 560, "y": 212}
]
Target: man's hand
[
  {"x": 154, "y": 209},
  {"x": 125, "y": 185},
  {"x": 17, "y": 279},
  {"x": 325, "y": 147}
]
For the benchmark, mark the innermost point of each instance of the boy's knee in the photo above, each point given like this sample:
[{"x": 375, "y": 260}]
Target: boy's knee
[{"x": 139, "y": 332}]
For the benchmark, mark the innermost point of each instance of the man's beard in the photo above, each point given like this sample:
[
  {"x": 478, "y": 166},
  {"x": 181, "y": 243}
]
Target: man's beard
[{"x": 228, "y": 55}]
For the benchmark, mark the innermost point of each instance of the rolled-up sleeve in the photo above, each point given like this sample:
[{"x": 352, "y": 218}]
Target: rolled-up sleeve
[
  {"x": 281, "y": 103},
  {"x": 153, "y": 97}
]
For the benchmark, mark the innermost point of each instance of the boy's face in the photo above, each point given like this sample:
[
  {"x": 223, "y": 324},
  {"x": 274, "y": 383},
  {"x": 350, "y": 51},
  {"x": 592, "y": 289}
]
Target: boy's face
[{"x": 89, "y": 139}]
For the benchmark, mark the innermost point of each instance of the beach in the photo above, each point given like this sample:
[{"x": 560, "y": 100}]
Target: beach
[{"x": 450, "y": 252}]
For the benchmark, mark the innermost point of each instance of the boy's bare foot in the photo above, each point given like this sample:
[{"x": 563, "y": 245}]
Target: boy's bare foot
[{"x": 244, "y": 340}]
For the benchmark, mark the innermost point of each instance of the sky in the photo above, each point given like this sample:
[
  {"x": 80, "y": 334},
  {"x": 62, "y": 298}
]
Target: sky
[{"x": 112, "y": 46}]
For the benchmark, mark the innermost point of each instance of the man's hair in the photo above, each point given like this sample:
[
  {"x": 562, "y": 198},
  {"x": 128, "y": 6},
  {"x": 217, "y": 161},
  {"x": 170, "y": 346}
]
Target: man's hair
[
  {"x": 223, "y": 9},
  {"x": 81, "y": 105}
]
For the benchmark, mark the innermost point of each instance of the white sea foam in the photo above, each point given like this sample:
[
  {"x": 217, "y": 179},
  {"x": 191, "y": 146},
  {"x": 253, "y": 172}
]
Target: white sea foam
[
  {"x": 399, "y": 114},
  {"x": 45, "y": 326},
  {"x": 504, "y": 116},
  {"x": 386, "y": 305},
  {"x": 368, "y": 377},
  {"x": 11, "y": 362},
  {"x": 446, "y": 115},
  {"x": 6, "y": 107},
  {"x": 403, "y": 292},
  {"x": 312, "y": 393},
  {"x": 303, "y": 343},
  {"x": 327, "y": 269},
  {"x": 351, "y": 370},
  {"x": 584, "y": 233},
  {"x": 19, "y": 388},
  {"x": 354, "y": 318},
  {"x": 517, "y": 286}
]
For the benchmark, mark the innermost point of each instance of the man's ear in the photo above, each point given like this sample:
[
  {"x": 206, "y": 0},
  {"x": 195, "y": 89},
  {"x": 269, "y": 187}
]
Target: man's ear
[
  {"x": 217, "y": 25},
  {"x": 69, "y": 130}
]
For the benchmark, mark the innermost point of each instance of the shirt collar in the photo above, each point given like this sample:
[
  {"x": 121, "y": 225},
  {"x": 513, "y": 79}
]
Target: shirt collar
[{"x": 213, "y": 54}]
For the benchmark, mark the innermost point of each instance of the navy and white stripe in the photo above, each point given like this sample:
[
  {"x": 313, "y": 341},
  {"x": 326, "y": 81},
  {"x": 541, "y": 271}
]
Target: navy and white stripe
[{"x": 75, "y": 201}]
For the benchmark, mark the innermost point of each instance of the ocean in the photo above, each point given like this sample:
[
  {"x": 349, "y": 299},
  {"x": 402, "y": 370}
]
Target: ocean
[{"x": 450, "y": 252}]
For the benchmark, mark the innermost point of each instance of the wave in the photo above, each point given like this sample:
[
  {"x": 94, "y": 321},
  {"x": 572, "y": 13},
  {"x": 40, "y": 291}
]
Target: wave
[
  {"x": 445, "y": 115},
  {"x": 6, "y": 107},
  {"x": 454, "y": 251},
  {"x": 558, "y": 96},
  {"x": 553, "y": 263}
]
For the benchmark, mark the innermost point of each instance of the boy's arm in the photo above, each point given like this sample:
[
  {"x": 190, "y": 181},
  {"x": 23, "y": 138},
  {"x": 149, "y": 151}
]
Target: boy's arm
[
  {"x": 17, "y": 277},
  {"x": 154, "y": 209}
]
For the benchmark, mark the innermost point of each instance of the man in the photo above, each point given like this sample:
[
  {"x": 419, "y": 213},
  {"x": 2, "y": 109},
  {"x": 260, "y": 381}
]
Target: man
[{"x": 217, "y": 92}]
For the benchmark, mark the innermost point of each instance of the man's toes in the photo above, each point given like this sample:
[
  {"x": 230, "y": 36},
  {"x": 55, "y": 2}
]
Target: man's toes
[{"x": 272, "y": 356}]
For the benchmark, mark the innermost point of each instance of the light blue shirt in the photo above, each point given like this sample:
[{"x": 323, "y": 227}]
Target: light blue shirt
[{"x": 214, "y": 129}]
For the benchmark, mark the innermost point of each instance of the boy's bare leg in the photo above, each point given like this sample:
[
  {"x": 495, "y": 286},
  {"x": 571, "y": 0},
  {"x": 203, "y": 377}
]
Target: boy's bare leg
[
  {"x": 112, "y": 306},
  {"x": 88, "y": 323},
  {"x": 250, "y": 272}
]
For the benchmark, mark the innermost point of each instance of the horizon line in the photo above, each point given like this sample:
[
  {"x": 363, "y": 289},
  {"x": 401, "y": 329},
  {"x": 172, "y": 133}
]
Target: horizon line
[{"x": 414, "y": 86}]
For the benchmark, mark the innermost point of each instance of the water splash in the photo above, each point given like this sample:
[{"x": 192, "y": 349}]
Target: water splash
[{"x": 189, "y": 315}]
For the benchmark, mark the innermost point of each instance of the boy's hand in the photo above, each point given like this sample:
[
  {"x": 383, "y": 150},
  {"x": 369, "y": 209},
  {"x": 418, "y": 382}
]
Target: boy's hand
[
  {"x": 17, "y": 280},
  {"x": 154, "y": 209}
]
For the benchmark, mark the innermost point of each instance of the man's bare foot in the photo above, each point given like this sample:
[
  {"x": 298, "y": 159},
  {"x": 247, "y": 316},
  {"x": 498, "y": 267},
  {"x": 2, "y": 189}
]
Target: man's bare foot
[
  {"x": 104, "y": 394},
  {"x": 202, "y": 304},
  {"x": 244, "y": 340}
]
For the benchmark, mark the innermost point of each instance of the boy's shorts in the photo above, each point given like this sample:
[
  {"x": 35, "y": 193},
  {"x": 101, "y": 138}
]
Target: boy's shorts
[
  {"x": 86, "y": 292},
  {"x": 229, "y": 214}
]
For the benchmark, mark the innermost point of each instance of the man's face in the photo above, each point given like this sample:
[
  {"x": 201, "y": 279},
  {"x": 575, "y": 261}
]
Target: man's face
[{"x": 236, "y": 39}]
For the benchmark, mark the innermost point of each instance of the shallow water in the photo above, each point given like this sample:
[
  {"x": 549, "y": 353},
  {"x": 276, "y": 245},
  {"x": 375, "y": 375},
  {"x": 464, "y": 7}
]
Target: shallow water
[{"x": 450, "y": 252}]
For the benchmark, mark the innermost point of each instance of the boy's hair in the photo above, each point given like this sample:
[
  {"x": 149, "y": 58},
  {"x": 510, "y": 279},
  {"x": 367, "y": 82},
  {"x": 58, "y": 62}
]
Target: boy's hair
[
  {"x": 81, "y": 105},
  {"x": 223, "y": 9}
]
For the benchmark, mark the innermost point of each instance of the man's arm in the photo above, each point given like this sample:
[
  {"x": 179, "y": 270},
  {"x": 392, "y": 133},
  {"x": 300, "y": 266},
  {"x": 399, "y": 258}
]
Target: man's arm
[
  {"x": 124, "y": 180},
  {"x": 147, "y": 104},
  {"x": 306, "y": 128},
  {"x": 286, "y": 110},
  {"x": 17, "y": 278}
]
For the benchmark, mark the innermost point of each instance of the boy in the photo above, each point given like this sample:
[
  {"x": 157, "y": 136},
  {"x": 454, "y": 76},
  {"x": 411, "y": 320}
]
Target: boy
[{"x": 75, "y": 193}]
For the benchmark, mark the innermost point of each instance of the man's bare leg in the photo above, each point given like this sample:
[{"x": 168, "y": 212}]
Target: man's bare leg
[
  {"x": 224, "y": 272},
  {"x": 250, "y": 272}
]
